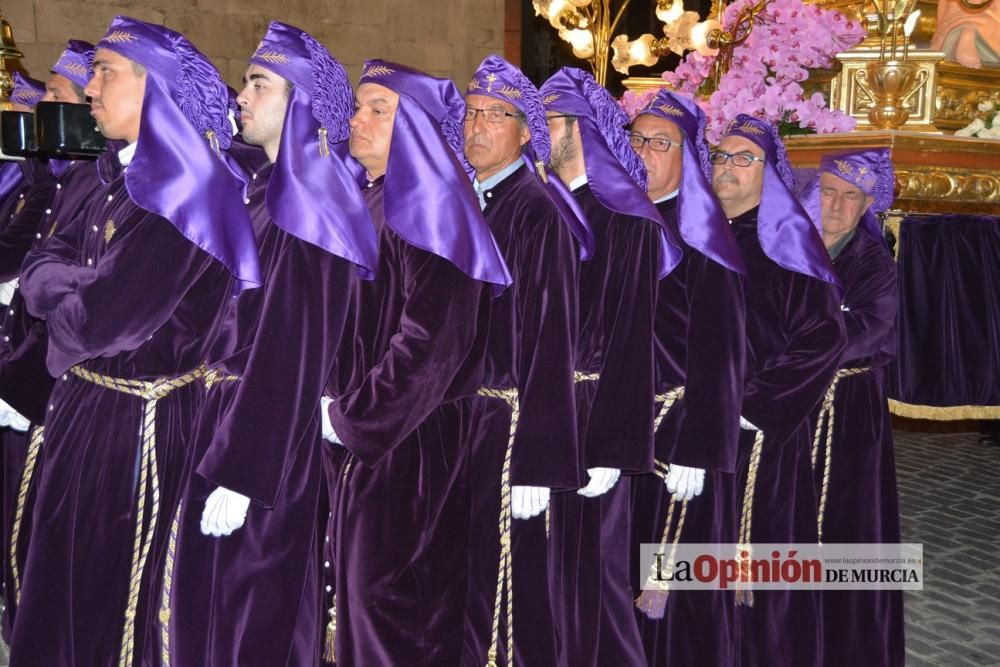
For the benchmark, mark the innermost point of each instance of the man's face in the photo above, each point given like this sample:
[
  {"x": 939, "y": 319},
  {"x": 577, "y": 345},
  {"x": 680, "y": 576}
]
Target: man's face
[
  {"x": 739, "y": 185},
  {"x": 116, "y": 91},
  {"x": 263, "y": 102},
  {"x": 371, "y": 126},
  {"x": 566, "y": 143},
  {"x": 60, "y": 89},
  {"x": 842, "y": 205},
  {"x": 491, "y": 146},
  {"x": 663, "y": 167}
]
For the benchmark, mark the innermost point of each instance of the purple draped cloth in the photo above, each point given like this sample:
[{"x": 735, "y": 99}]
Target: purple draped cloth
[
  {"x": 795, "y": 337},
  {"x": 25, "y": 383},
  {"x": 700, "y": 344},
  {"x": 253, "y": 597},
  {"x": 948, "y": 314},
  {"x": 530, "y": 348},
  {"x": 399, "y": 524},
  {"x": 27, "y": 91},
  {"x": 862, "y": 504},
  {"x": 590, "y": 537},
  {"x": 124, "y": 294},
  {"x": 10, "y": 179},
  {"x": 75, "y": 62}
]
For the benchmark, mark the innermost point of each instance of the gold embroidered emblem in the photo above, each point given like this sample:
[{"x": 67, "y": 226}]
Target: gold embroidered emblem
[
  {"x": 671, "y": 111},
  {"x": 750, "y": 128},
  {"x": 74, "y": 68},
  {"x": 52, "y": 230},
  {"x": 119, "y": 37},
  {"x": 377, "y": 70},
  {"x": 489, "y": 80},
  {"x": 473, "y": 85},
  {"x": 844, "y": 167},
  {"x": 550, "y": 98},
  {"x": 273, "y": 57},
  {"x": 26, "y": 95},
  {"x": 109, "y": 230},
  {"x": 510, "y": 93},
  {"x": 20, "y": 205}
]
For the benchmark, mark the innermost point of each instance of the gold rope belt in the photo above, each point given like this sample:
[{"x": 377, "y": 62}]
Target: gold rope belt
[
  {"x": 825, "y": 423},
  {"x": 151, "y": 392},
  {"x": 34, "y": 447},
  {"x": 744, "y": 552},
  {"x": 653, "y": 599}
]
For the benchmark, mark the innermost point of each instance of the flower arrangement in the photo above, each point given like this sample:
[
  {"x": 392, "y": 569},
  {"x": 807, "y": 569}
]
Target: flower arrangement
[
  {"x": 986, "y": 126},
  {"x": 766, "y": 71}
]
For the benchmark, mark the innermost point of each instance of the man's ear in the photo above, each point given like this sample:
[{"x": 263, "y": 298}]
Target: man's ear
[
  {"x": 868, "y": 203},
  {"x": 525, "y": 134}
]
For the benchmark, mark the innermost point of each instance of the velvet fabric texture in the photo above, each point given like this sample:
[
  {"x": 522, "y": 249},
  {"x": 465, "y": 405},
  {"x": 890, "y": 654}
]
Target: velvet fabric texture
[
  {"x": 795, "y": 338},
  {"x": 130, "y": 299},
  {"x": 948, "y": 313},
  {"x": 589, "y": 537},
  {"x": 253, "y": 597},
  {"x": 25, "y": 383},
  {"x": 400, "y": 504},
  {"x": 862, "y": 505},
  {"x": 531, "y": 348},
  {"x": 700, "y": 336}
]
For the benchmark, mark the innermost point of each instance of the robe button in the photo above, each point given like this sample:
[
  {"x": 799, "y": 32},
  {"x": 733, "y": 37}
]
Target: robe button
[
  {"x": 51, "y": 407},
  {"x": 6, "y": 339},
  {"x": 489, "y": 195},
  {"x": 90, "y": 262},
  {"x": 329, "y": 589},
  {"x": 94, "y": 228},
  {"x": 11, "y": 311},
  {"x": 110, "y": 197},
  {"x": 326, "y": 539},
  {"x": 65, "y": 377},
  {"x": 48, "y": 211},
  {"x": 255, "y": 177},
  {"x": 326, "y": 563},
  {"x": 247, "y": 200},
  {"x": 58, "y": 186},
  {"x": 38, "y": 236},
  {"x": 21, "y": 196}
]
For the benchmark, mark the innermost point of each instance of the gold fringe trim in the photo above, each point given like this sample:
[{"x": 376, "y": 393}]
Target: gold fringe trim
[
  {"x": 330, "y": 638},
  {"x": 949, "y": 413}
]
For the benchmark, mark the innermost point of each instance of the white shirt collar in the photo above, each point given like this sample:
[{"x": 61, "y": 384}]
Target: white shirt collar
[
  {"x": 669, "y": 195},
  {"x": 126, "y": 154},
  {"x": 578, "y": 182}
]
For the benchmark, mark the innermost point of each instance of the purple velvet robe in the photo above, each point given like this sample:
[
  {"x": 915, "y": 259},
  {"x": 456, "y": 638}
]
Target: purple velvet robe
[
  {"x": 795, "y": 336},
  {"x": 25, "y": 382},
  {"x": 126, "y": 295},
  {"x": 531, "y": 347},
  {"x": 700, "y": 335},
  {"x": 399, "y": 524},
  {"x": 253, "y": 597},
  {"x": 863, "y": 627},
  {"x": 592, "y": 596}
]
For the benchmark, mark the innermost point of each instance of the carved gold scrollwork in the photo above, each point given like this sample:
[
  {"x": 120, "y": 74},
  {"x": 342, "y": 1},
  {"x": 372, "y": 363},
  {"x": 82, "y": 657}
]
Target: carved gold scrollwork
[{"x": 956, "y": 185}]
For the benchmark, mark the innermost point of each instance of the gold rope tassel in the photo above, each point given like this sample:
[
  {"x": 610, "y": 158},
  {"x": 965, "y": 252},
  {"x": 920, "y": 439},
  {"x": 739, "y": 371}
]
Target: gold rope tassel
[
  {"x": 330, "y": 636},
  {"x": 505, "y": 579},
  {"x": 151, "y": 392},
  {"x": 168, "y": 579},
  {"x": 824, "y": 424},
  {"x": 653, "y": 600},
  {"x": 744, "y": 594},
  {"x": 34, "y": 447}
]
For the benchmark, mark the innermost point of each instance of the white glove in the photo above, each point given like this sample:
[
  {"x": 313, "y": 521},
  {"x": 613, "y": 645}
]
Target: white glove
[
  {"x": 326, "y": 426},
  {"x": 13, "y": 419},
  {"x": 225, "y": 511},
  {"x": 528, "y": 501},
  {"x": 7, "y": 291},
  {"x": 685, "y": 483},
  {"x": 747, "y": 426},
  {"x": 601, "y": 481}
]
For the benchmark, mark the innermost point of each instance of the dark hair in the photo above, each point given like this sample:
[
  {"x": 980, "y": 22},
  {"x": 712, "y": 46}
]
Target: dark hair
[{"x": 289, "y": 87}]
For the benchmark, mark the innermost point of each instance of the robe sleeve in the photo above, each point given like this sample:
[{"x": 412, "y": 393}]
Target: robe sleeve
[
  {"x": 24, "y": 380},
  {"x": 780, "y": 397},
  {"x": 545, "y": 445},
  {"x": 716, "y": 358},
  {"x": 436, "y": 331},
  {"x": 620, "y": 425},
  {"x": 275, "y": 410},
  {"x": 19, "y": 233},
  {"x": 118, "y": 304},
  {"x": 872, "y": 300}
]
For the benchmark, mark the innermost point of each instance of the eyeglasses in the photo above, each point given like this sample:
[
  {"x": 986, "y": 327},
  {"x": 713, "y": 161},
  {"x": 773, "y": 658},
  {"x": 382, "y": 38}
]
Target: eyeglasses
[
  {"x": 489, "y": 115},
  {"x": 658, "y": 144},
  {"x": 742, "y": 159}
]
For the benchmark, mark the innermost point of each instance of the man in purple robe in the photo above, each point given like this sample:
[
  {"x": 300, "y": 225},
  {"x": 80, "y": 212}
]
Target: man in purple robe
[
  {"x": 795, "y": 335},
  {"x": 249, "y": 592},
  {"x": 853, "y": 459},
  {"x": 131, "y": 298},
  {"x": 58, "y": 192},
  {"x": 399, "y": 399},
  {"x": 524, "y": 442},
  {"x": 699, "y": 355},
  {"x": 589, "y": 540}
]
